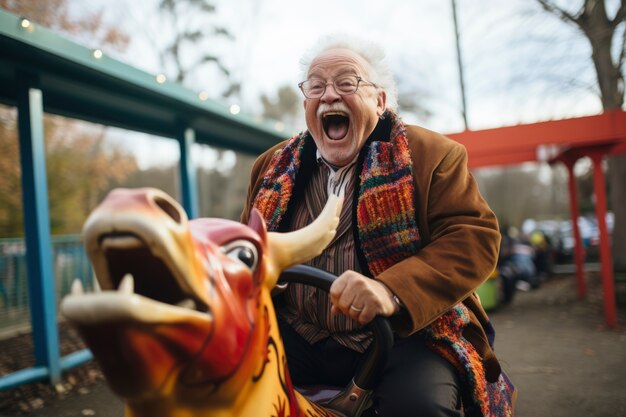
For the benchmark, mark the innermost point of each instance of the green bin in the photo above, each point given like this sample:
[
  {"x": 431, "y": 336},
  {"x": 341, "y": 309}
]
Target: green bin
[{"x": 488, "y": 292}]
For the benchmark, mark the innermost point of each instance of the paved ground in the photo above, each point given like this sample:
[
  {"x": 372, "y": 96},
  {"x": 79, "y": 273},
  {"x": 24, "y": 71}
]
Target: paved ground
[
  {"x": 560, "y": 355},
  {"x": 554, "y": 346}
]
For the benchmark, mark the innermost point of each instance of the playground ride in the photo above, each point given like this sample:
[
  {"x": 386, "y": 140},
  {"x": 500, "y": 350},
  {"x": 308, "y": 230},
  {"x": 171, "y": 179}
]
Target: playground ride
[{"x": 185, "y": 325}]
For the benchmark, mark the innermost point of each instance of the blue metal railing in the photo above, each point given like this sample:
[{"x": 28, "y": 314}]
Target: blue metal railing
[{"x": 69, "y": 262}]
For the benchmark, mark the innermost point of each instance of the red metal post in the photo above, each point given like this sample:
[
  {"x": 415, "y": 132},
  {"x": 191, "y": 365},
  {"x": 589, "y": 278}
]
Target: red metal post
[
  {"x": 579, "y": 251},
  {"x": 606, "y": 260}
]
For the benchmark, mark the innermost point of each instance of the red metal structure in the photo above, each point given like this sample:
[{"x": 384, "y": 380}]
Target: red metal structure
[{"x": 563, "y": 141}]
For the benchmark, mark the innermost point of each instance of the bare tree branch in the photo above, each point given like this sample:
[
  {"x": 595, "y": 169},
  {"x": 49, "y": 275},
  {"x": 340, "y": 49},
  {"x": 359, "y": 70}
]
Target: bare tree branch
[
  {"x": 620, "y": 16},
  {"x": 211, "y": 58},
  {"x": 562, "y": 14}
]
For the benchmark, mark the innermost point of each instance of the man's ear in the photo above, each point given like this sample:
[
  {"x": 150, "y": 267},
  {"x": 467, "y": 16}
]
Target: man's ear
[{"x": 382, "y": 102}]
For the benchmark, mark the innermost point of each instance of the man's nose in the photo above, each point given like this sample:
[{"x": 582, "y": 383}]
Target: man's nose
[{"x": 330, "y": 94}]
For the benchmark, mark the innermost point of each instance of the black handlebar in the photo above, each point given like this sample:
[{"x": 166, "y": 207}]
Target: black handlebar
[{"x": 369, "y": 372}]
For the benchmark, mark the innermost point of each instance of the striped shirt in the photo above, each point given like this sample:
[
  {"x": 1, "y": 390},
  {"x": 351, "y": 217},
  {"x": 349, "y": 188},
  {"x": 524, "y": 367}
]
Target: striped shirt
[{"x": 307, "y": 308}]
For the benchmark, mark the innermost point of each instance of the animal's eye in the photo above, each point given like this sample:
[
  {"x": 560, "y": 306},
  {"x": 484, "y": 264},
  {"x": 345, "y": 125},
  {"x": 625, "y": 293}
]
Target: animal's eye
[{"x": 242, "y": 251}]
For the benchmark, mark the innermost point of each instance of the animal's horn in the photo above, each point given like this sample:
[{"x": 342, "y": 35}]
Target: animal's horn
[{"x": 288, "y": 249}]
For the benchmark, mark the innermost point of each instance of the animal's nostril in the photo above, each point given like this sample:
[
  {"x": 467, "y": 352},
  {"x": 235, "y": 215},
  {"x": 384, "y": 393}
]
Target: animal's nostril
[{"x": 169, "y": 208}]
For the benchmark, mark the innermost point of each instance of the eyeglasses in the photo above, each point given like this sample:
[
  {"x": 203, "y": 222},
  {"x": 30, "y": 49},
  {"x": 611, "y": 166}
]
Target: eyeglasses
[{"x": 344, "y": 86}]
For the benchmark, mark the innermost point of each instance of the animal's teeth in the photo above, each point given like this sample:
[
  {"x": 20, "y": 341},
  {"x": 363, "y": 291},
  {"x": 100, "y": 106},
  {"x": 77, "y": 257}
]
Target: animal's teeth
[
  {"x": 127, "y": 285},
  {"x": 77, "y": 287},
  {"x": 187, "y": 303}
]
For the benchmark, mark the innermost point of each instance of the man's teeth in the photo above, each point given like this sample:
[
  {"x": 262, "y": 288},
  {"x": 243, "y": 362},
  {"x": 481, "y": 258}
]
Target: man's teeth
[{"x": 127, "y": 285}]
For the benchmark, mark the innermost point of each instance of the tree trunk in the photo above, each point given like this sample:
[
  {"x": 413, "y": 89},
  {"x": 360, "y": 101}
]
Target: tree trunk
[
  {"x": 596, "y": 26},
  {"x": 600, "y": 30}
]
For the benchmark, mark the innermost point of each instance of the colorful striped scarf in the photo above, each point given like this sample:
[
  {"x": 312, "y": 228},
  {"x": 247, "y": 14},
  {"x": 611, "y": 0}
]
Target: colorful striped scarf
[{"x": 388, "y": 233}]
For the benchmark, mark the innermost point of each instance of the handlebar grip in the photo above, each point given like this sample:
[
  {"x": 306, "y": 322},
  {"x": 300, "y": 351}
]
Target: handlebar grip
[{"x": 377, "y": 353}]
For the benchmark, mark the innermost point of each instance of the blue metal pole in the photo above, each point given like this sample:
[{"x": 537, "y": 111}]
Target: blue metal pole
[
  {"x": 188, "y": 176},
  {"x": 23, "y": 376},
  {"x": 37, "y": 227},
  {"x": 75, "y": 359},
  {"x": 28, "y": 375}
]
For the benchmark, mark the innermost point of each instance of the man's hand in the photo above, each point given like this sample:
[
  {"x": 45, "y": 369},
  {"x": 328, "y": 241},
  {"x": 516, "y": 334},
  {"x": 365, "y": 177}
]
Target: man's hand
[{"x": 361, "y": 298}]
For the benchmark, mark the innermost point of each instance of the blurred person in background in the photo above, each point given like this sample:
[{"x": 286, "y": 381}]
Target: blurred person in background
[
  {"x": 517, "y": 262},
  {"x": 542, "y": 247}
]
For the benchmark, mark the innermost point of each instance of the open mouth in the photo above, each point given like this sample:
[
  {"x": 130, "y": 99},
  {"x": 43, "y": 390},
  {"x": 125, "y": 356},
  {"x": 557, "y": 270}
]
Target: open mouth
[
  {"x": 127, "y": 255},
  {"x": 336, "y": 125}
]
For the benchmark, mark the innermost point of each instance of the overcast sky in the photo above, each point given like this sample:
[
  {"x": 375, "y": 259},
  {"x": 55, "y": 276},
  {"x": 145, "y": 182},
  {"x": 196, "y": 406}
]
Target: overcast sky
[
  {"x": 520, "y": 64},
  {"x": 272, "y": 35}
]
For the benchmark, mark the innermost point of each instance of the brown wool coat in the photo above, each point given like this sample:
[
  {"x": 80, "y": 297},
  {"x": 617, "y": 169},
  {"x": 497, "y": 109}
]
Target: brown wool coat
[{"x": 459, "y": 233}]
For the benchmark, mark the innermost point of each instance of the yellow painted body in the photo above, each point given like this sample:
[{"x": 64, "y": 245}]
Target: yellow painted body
[{"x": 240, "y": 395}]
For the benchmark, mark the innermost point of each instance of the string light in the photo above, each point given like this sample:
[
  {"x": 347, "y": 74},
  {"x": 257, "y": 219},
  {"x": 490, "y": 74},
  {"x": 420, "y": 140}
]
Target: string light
[
  {"x": 27, "y": 25},
  {"x": 161, "y": 78},
  {"x": 279, "y": 126},
  {"x": 97, "y": 53},
  {"x": 235, "y": 109},
  {"x": 203, "y": 95}
]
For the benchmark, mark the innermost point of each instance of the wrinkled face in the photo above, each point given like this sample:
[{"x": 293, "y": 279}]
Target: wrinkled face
[{"x": 340, "y": 125}]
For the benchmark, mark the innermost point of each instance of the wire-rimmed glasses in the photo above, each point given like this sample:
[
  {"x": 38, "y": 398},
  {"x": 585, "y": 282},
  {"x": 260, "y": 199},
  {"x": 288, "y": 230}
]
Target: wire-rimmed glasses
[{"x": 344, "y": 86}]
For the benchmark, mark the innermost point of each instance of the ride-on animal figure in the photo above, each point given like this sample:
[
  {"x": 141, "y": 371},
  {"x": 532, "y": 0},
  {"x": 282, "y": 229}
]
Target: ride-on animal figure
[{"x": 185, "y": 324}]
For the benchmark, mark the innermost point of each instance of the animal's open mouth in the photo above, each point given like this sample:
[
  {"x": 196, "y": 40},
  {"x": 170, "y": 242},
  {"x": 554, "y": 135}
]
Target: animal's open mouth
[
  {"x": 127, "y": 254},
  {"x": 156, "y": 312},
  {"x": 138, "y": 286}
]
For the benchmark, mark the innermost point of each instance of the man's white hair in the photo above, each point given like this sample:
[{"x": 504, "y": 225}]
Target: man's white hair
[{"x": 370, "y": 51}]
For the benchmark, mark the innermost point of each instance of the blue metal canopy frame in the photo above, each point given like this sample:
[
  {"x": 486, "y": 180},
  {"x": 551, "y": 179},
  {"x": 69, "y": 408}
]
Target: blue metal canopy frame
[{"x": 42, "y": 70}]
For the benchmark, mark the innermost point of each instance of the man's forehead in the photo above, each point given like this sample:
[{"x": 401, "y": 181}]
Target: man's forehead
[{"x": 339, "y": 60}]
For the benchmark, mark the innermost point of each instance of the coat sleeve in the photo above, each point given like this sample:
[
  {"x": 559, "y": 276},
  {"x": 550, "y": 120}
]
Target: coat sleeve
[{"x": 459, "y": 233}]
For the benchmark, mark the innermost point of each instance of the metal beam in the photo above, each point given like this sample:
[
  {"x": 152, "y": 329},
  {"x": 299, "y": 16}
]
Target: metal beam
[
  {"x": 188, "y": 172},
  {"x": 579, "y": 250},
  {"x": 42, "y": 373},
  {"x": 517, "y": 144},
  {"x": 36, "y": 224},
  {"x": 606, "y": 260},
  {"x": 99, "y": 89},
  {"x": 597, "y": 154}
]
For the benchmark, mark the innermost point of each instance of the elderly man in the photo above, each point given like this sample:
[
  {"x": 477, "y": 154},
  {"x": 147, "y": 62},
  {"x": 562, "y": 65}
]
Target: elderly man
[{"x": 415, "y": 240}]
